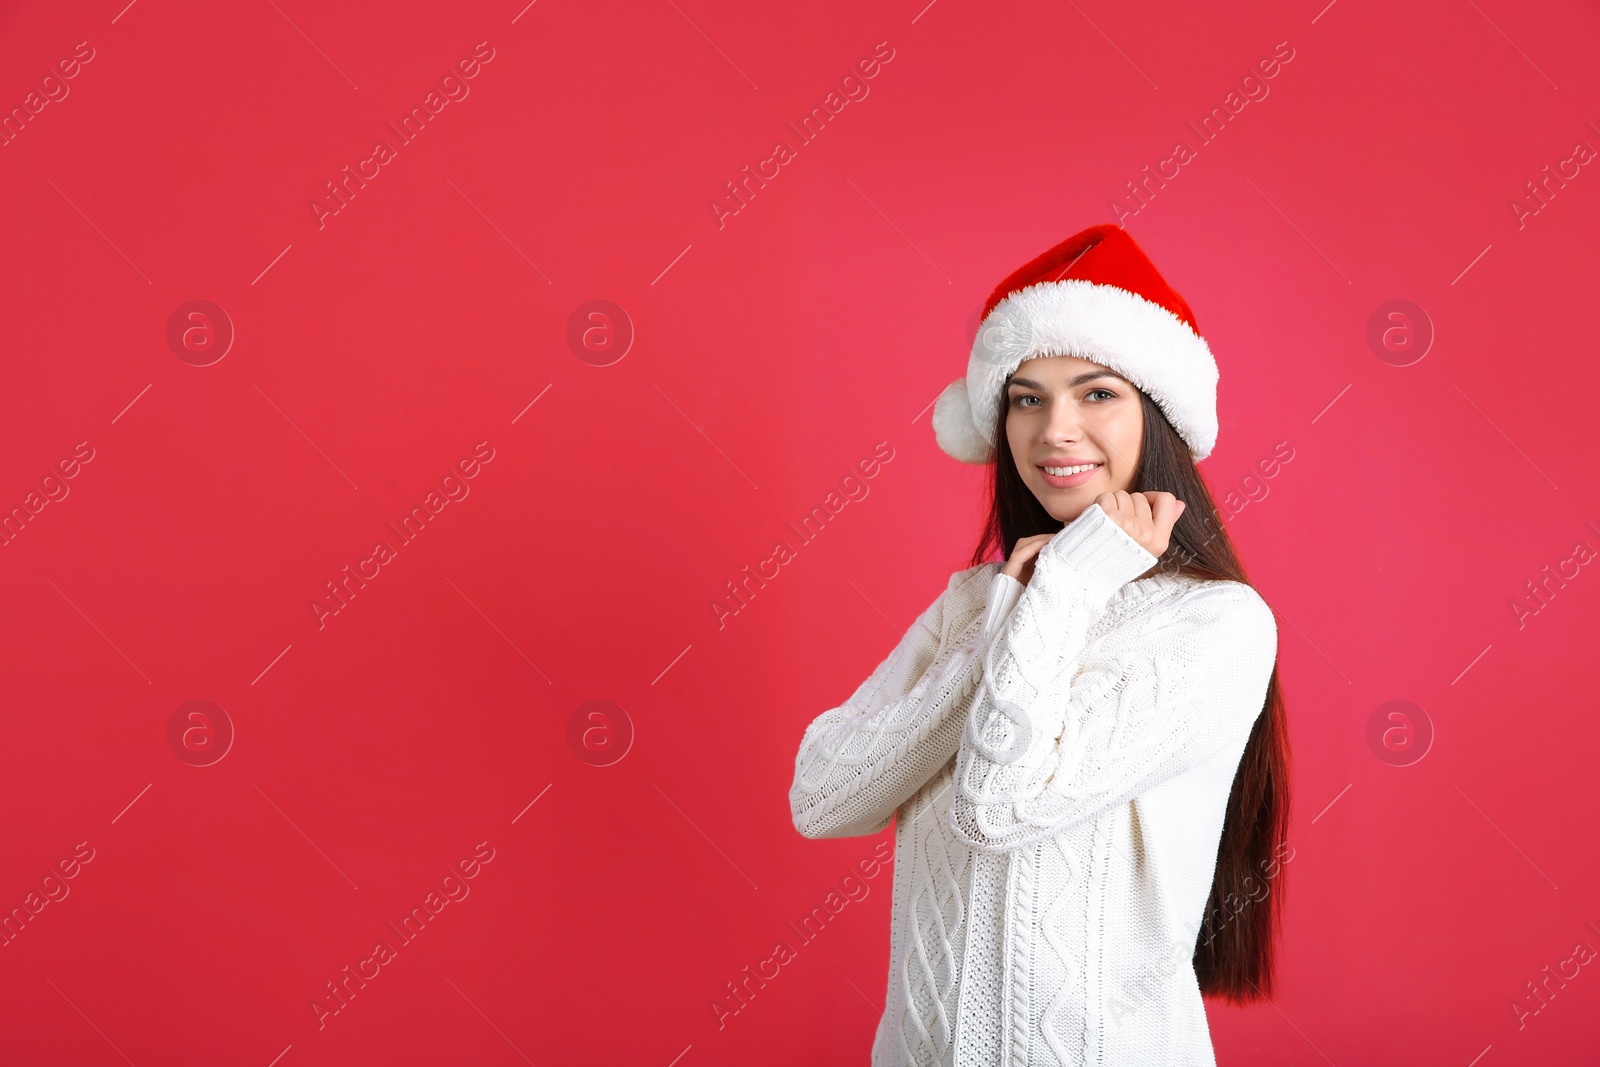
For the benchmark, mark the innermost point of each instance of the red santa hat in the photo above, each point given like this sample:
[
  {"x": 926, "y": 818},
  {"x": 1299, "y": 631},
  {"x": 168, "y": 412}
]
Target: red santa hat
[{"x": 1096, "y": 296}]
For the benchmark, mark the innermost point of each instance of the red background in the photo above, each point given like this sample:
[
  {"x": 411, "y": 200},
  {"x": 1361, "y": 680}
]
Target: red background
[{"x": 372, "y": 754}]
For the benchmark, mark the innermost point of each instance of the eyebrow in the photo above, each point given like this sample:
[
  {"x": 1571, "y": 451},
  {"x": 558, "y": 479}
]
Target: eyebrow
[{"x": 1087, "y": 376}]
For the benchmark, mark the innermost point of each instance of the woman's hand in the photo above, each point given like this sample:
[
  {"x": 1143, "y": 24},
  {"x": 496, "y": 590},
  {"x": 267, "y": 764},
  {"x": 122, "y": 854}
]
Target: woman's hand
[
  {"x": 1146, "y": 517},
  {"x": 1023, "y": 553}
]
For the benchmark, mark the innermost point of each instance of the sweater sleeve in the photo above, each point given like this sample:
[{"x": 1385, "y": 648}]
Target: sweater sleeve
[
  {"x": 1061, "y": 731},
  {"x": 860, "y": 761}
]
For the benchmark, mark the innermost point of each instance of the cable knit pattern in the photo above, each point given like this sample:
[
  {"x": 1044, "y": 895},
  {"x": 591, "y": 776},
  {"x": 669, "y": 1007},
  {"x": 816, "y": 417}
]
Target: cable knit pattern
[{"x": 1060, "y": 756}]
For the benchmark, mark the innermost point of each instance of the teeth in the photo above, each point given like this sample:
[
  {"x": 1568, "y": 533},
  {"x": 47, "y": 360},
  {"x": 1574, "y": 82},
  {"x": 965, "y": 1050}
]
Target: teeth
[{"x": 1062, "y": 472}]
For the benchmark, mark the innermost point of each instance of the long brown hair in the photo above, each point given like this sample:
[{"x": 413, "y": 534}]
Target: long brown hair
[{"x": 1233, "y": 957}]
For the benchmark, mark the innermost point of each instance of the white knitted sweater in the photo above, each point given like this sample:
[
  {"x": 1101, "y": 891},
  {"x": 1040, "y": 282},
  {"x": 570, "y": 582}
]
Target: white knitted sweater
[{"x": 1060, "y": 757}]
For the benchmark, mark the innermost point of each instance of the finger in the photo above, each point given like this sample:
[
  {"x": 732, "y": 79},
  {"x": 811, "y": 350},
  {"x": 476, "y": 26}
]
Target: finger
[
  {"x": 1028, "y": 547},
  {"x": 1165, "y": 510}
]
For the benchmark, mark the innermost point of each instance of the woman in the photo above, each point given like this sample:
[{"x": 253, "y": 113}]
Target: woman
[{"x": 1091, "y": 803}]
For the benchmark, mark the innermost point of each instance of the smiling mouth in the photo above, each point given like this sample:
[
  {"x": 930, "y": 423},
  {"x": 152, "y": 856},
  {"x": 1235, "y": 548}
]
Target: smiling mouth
[{"x": 1068, "y": 477}]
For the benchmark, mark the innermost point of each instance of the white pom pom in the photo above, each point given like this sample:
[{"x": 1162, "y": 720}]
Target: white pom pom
[{"x": 954, "y": 429}]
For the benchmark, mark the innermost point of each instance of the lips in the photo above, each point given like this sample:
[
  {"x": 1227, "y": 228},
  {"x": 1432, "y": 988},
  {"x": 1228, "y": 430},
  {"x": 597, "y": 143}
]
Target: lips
[{"x": 1068, "y": 481}]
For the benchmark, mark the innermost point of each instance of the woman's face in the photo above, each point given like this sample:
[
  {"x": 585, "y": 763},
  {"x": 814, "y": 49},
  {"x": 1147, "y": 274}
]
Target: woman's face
[{"x": 1066, "y": 412}]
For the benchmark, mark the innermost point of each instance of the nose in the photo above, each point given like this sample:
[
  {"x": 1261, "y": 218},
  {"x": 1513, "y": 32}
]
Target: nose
[{"x": 1065, "y": 424}]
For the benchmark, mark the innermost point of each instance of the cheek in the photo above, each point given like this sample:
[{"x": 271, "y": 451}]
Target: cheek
[
  {"x": 1122, "y": 437},
  {"x": 1019, "y": 438},
  {"x": 1014, "y": 433},
  {"x": 1128, "y": 431},
  {"x": 1120, "y": 478}
]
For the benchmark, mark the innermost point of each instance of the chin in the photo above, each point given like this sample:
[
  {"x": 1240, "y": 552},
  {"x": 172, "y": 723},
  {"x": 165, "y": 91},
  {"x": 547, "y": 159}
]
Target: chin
[
  {"x": 1056, "y": 501},
  {"x": 1062, "y": 510}
]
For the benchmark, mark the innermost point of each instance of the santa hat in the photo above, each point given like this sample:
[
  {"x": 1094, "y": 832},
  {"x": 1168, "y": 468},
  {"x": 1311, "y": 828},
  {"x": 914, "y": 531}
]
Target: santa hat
[{"x": 1096, "y": 296}]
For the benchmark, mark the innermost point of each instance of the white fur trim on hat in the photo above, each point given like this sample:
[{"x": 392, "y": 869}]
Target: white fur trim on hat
[
  {"x": 953, "y": 428},
  {"x": 1140, "y": 340}
]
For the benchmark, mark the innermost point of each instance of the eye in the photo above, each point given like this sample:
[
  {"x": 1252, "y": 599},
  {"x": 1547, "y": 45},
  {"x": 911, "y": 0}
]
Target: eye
[
  {"x": 1109, "y": 394},
  {"x": 1017, "y": 401}
]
